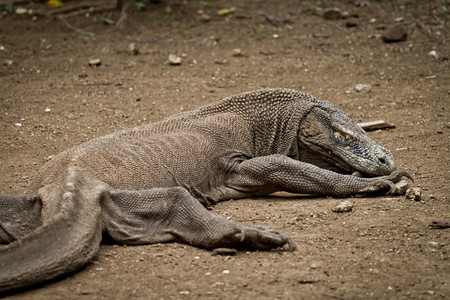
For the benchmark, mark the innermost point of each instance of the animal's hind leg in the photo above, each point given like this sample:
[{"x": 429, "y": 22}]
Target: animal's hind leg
[
  {"x": 19, "y": 216},
  {"x": 173, "y": 214}
]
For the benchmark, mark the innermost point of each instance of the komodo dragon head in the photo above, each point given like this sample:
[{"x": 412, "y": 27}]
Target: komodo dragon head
[{"x": 335, "y": 142}]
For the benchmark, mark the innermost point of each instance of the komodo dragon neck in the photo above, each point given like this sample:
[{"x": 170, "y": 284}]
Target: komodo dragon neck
[{"x": 273, "y": 117}]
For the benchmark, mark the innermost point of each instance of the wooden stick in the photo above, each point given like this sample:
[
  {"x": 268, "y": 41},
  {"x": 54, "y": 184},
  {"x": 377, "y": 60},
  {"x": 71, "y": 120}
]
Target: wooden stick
[
  {"x": 75, "y": 6},
  {"x": 82, "y": 32},
  {"x": 374, "y": 125},
  {"x": 15, "y": 2},
  {"x": 123, "y": 11}
]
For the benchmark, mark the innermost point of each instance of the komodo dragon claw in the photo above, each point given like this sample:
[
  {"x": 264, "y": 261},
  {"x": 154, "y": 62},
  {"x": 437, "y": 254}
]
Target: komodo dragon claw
[
  {"x": 397, "y": 175},
  {"x": 261, "y": 238}
]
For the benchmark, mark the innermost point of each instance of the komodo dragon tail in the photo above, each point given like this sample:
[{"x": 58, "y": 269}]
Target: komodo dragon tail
[{"x": 67, "y": 239}]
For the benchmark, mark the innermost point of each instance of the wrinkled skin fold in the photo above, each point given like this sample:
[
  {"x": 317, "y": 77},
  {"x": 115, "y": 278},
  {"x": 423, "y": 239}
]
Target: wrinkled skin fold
[{"x": 151, "y": 184}]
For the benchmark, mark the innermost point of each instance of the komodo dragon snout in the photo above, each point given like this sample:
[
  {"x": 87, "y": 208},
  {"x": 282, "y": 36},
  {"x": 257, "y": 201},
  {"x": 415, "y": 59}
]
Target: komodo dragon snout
[{"x": 150, "y": 184}]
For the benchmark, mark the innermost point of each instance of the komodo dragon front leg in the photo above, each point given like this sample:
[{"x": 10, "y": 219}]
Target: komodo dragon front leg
[
  {"x": 267, "y": 174},
  {"x": 173, "y": 214}
]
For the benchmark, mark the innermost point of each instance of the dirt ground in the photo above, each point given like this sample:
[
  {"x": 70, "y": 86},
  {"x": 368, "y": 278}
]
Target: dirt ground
[{"x": 383, "y": 249}]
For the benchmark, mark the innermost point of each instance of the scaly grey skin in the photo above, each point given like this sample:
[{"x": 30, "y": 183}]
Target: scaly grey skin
[{"x": 147, "y": 184}]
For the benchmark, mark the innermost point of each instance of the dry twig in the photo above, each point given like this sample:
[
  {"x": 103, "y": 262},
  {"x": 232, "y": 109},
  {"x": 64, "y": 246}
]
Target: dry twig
[
  {"x": 82, "y": 32},
  {"x": 123, "y": 11},
  {"x": 374, "y": 125},
  {"x": 84, "y": 7}
]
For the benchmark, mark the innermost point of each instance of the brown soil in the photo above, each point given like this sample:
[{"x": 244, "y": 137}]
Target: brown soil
[{"x": 383, "y": 249}]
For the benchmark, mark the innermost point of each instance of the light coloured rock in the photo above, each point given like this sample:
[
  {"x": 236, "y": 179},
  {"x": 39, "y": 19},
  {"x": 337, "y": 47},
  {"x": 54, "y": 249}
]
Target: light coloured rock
[
  {"x": 414, "y": 193},
  {"x": 95, "y": 62},
  {"x": 402, "y": 187},
  {"x": 237, "y": 52},
  {"x": 21, "y": 11},
  {"x": 174, "y": 59},
  {"x": 204, "y": 18},
  {"x": 433, "y": 54},
  {"x": 345, "y": 206},
  {"x": 133, "y": 49},
  {"x": 360, "y": 87}
]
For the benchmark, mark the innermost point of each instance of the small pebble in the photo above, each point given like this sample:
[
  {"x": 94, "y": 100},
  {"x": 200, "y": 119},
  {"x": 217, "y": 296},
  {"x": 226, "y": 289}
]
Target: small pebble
[
  {"x": 360, "y": 87},
  {"x": 48, "y": 110},
  {"x": 237, "y": 52},
  {"x": 133, "y": 49},
  {"x": 275, "y": 36},
  {"x": 95, "y": 62},
  {"x": 345, "y": 206},
  {"x": 351, "y": 23},
  {"x": 224, "y": 251},
  {"x": 21, "y": 11},
  {"x": 332, "y": 14},
  {"x": 18, "y": 124},
  {"x": 396, "y": 33},
  {"x": 226, "y": 271},
  {"x": 204, "y": 18},
  {"x": 314, "y": 266},
  {"x": 414, "y": 193},
  {"x": 402, "y": 187},
  {"x": 432, "y": 53},
  {"x": 174, "y": 59},
  {"x": 222, "y": 62}
]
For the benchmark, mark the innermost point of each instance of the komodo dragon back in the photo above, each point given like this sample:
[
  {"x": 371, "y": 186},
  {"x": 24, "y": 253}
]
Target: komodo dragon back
[{"x": 150, "y": 184}]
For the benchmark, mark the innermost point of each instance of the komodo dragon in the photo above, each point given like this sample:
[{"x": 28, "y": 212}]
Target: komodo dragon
[{"x": 151, "y": 184}]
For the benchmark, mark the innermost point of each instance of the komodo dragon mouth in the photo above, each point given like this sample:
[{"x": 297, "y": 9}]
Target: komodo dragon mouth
[{"x": 147, "y": 184}]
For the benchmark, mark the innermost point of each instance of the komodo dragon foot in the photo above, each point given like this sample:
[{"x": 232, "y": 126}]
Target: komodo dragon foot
[
  {"x": 386, "y": 183},
  {"x": 259, "y": 237}
]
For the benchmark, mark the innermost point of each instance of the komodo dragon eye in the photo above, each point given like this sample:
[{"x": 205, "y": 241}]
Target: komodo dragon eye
[{"x": 342, "y": 133}]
